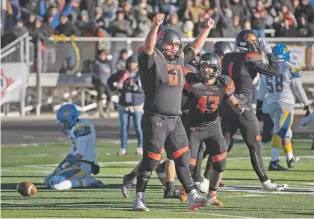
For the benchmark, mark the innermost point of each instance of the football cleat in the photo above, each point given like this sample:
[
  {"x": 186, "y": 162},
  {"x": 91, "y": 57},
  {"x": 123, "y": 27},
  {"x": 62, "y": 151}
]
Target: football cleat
[
  {"x": 292, "y": 162},
  {"x": 197, "y": 186},
  {"x": 196, "y": 201},
  {"x": 204, "y": 185},
  {"x": 275, "y": 166},
  {"x": 212, "y": 200},
  {"x": 182, "y": 194},
  {"x": 139, "y": 204},
  {"x": 126, "y": 187},
  {"x": 93, "y": 183},
  {"x": 273, "y": 186}
]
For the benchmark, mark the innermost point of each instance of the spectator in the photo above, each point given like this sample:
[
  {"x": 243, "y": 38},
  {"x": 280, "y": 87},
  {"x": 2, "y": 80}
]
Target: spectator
[
  {"x": 38, "y": 32},
  {"x": 121, "y": 63},
  {"x": 143, "y": 24},
  {"x": 99, "y": 19},
  {"x": 100, "y": 74},
  {"x": 30, "y": 24},
  {"x": 120, "y": 27},
  {"x": 258, "y": 19},
  {"x": 238, "y": 9},
  {"x": 131, "y": 102},
  {"x": 308, "y": 10},
  {"x": 236, "y": 26},
  {"x": 142, "y": 4},
  {"x": 286, "y": 30},
  {"x": 75, "y": 10},
  {"x": 129, "y": 14},
  {"x": 193, "y": 13},
  {"x": 305, "y": 29},
  {"x": 167, "y": 7},
  {"x": 188, "y": 28},
  {"x": 85, "y": 25},
  {"x": 56, "y": 10},
  {"x": 66, "y": 27},
  {"x": 285, "y": 14},
  {"x": 175, "y": 24},
  {"x": 19, "y": 30},
  {"x": 110, "y": 9}
]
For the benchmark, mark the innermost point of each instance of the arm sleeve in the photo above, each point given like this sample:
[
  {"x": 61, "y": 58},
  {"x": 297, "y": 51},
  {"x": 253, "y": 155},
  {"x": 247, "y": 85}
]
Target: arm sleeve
[
  {"x": 189, "y": 55},
  {"x": 146, "y": 61},
  {"x": 299, "y": 91},
  {"x": 255, "y": 64}
]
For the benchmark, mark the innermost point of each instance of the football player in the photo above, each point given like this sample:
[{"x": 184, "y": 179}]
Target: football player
[
  {"x": 281, "y": 91},
  {"x": 161, "y": 70},
  {"x": 221, "y": 48},
  {"x": 242, "y": 67},
  {"x": 204, "y": 92},
  {"x": 76, "y": 169}
]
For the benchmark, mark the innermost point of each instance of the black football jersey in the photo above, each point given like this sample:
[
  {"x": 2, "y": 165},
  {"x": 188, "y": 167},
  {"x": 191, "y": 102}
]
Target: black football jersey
[
  {"x": 243, "y": 67},
  {"x": 163, "y": 81},
  {"x": 203, "y": 100}
]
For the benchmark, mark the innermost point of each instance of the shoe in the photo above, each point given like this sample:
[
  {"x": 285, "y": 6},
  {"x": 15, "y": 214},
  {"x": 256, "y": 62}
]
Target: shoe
[
  {"x": 275, "y": 166},
  {"x": 183, "y": 196},
  {"x": 121, "y": 152},
  {"x": 171, "y": 193},
  {"x": 126, "y": 187},
  {"x": 196, "y": 201},
  {"x": 212, "y": 200},
  {"x": 204, "y": 185},
  {"x": 139, "y": 151},
  {"x": 293, "y": 161},
  {"x": 273, "y": 186},
  {"x": 139, "y": 204}
]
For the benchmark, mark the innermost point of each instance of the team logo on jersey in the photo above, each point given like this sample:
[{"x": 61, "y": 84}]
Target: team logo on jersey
[
  {"x": 5, "y": 82},
  {"x": 251, "y": 38}
]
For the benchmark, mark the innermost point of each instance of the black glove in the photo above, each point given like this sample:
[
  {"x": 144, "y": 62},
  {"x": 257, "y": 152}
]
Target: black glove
[
  {"x": 307, "y": 110},
  {"x": 259, "y": 111}
]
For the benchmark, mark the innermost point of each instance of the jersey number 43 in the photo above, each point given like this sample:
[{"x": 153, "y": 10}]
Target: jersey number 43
[{"x": 208, "y": 104}]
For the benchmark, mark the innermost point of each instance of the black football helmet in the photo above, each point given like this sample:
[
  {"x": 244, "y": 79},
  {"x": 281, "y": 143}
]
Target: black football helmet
[
  {"x": 168, "y": 36},
  {"x": 247, "y": 40},
  {"x": 221, "y": 48},
  {"x": 212, "y": 60}
]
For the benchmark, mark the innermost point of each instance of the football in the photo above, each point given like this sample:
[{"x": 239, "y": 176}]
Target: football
[{"x": 26, "y": 188}]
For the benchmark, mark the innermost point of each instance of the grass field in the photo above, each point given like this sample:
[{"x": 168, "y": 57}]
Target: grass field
[{"x": 242, "y": 198}]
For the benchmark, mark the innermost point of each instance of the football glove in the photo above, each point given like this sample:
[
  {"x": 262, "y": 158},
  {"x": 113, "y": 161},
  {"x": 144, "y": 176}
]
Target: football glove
[{"x": 306, "y": 121}]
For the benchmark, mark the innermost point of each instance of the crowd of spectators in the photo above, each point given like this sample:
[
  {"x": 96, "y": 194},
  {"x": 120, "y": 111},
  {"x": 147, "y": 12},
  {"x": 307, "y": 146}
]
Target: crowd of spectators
[{"x": 133, "y": 18}]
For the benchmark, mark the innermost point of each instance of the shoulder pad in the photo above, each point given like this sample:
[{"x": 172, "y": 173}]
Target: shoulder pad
[
  {"x": 187, "y": 70},
  {"x": 81, "y": 130},
  {"x": 253, "y": 56}
]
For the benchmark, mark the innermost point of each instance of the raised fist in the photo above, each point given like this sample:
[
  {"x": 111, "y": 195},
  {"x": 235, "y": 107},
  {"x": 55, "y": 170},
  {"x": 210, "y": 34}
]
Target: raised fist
[
  {"x": 209, "y": 23},
  {"x": 159, "y": 19}
]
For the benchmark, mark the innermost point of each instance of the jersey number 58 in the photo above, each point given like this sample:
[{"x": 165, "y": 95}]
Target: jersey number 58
[{"x": 274, "y": 83}]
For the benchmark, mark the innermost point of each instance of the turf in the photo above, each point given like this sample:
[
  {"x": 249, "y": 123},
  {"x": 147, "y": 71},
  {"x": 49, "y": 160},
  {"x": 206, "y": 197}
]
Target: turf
[{"x": 242, "y": 198}]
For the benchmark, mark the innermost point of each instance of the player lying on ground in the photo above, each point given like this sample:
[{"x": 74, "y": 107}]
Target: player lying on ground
[
  {"x": 203, "y": 94},
  {"x": 242, "y": 67},
  {"x": 76, "y": 169},
  {"x": 161, "y": 70},
  {"x": 280, "y": 91}
]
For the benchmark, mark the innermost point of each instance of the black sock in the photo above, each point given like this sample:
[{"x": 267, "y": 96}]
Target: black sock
[{"x": 131, "y": 176}]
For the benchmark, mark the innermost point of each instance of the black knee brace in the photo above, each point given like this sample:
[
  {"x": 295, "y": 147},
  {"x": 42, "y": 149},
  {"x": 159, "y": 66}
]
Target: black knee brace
[{"x": 220, "y": 165}]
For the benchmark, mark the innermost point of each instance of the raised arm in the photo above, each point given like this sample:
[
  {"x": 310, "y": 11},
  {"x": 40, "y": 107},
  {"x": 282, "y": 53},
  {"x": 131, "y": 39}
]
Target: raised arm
[
  {"x": 151, "y": 37},
  {"x": 198, "y": 43}
]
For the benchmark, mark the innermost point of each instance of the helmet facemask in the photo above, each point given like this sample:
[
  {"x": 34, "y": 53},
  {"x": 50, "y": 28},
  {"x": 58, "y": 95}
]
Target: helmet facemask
[{"x": 207, "y": 71}]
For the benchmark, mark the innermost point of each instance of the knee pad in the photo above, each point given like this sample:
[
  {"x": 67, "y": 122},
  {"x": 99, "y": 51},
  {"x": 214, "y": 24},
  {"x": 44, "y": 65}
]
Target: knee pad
[
  {"x": 220, "y": 165},
  {"x": 183, "y": 160},
  {"x": 148, "y": 164}
]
